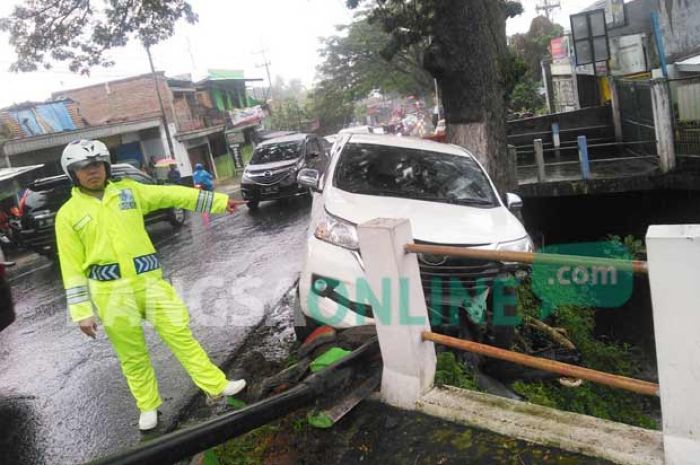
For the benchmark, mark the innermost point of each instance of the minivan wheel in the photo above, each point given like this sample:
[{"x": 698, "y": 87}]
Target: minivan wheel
[{"x": 177, "y": 217}]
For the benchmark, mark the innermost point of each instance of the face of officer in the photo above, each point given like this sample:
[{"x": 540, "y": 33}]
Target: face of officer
[{"x": 92, "y": 176}]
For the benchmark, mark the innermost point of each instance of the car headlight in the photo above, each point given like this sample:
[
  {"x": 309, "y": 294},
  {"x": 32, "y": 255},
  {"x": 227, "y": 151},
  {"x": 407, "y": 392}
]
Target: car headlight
[
  {"x": 246, "y": 176},
  {"x": 337, "y": 232},
  {"x": 524, "y": 244}
]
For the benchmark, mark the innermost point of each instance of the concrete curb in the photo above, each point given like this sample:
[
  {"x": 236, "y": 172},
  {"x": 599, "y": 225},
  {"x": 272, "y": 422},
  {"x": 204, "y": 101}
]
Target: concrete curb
[{"x": 615, "y": 442}]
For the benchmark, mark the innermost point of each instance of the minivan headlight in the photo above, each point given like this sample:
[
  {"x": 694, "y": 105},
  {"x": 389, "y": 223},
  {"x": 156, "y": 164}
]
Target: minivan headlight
[
  {"x": 524, "y": 244},
  {"x": 336, "y": 231}
]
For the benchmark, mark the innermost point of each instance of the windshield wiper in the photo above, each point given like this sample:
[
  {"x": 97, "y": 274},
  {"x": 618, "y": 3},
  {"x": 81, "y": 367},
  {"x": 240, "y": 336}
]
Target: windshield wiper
[{"x": 471, "y": 202}]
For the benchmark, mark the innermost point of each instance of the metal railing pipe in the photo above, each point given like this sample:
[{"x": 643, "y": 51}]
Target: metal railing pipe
[
  {"x": 545, "y": 364},
  {"x": 635, "y": 266}
]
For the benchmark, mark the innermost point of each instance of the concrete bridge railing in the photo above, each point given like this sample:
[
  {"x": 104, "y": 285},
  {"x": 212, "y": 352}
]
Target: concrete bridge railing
[{"x": 673, "y": 267}]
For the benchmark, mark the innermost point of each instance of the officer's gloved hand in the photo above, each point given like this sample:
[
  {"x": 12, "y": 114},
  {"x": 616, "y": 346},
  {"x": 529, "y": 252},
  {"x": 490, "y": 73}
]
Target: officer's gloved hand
[
  {"x": 89, "y": 326},
  {"x": 233, "y": 205}
]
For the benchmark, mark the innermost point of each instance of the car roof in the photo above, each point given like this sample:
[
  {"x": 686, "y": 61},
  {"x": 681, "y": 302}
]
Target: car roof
[
  {"x": 62, "y": 178},
  {"x": 289, "y": 138},
  {"x": 409, "y": 143}
]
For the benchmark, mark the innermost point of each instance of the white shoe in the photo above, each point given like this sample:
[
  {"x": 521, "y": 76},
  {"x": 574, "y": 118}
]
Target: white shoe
[
  {"x": 148, "y": 420},
  {"x": 233, "y": 387}
]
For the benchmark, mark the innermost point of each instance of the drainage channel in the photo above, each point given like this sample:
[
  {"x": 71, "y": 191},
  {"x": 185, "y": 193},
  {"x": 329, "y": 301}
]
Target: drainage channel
[{"x": 185, "y": 443}]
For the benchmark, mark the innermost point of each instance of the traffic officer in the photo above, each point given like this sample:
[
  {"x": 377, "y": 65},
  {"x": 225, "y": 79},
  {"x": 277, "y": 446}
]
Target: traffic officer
[{"x": 108, "y": 261}]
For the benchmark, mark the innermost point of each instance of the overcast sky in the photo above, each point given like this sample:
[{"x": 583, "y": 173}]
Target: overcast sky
[{"x": 227, "y": 36}]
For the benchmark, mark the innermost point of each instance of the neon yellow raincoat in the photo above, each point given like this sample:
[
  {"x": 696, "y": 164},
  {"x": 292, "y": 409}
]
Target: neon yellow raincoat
[{"x": 108, "y": 260}]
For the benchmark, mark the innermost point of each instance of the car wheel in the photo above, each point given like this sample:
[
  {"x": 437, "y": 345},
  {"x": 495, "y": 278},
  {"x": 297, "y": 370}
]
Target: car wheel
[
  {"x": 49, "y": 252},
  {"x": 177, "y": 217}
]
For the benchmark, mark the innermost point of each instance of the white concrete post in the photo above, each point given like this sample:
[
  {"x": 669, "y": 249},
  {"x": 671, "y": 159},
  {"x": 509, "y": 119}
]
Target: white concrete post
[
  {"x": 513, "y": 157},
  {"x": 616, "y": 112},
  {"x": 663, "y": 123},
  {"x": 674, "y": 271},
  {"x": 409, "y": 363},
  {"x": 539, "y": 160}
]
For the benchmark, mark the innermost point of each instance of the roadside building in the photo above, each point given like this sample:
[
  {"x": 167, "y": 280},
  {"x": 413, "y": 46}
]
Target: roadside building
[
  {"x": 197, "y": 114},
  {"x": 36, "y": 133}
]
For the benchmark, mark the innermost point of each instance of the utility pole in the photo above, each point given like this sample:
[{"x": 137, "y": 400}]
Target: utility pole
[
  {"x": 548, "y": 6},
  {"x": 160, "y": 102},
  {"x": 266, "y": 64}
]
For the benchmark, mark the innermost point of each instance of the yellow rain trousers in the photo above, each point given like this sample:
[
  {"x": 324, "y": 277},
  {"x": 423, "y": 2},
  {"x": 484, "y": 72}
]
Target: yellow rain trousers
[{"x": 108, "y": 262}]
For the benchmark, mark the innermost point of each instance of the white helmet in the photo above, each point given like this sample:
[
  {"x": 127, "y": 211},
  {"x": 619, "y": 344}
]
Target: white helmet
[{"x": 80, "y": 153}]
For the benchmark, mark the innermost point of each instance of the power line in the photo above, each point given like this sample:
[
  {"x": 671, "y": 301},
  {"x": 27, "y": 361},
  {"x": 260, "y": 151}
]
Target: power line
[
  {"x": 266, "y": 64},
  {"x": 548, "y": 6}
]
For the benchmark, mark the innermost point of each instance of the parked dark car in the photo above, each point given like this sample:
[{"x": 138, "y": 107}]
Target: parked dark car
[
  {"x": 7, "y": 308},
  {"x": 272, "y": 171},
  {"x": 46, "y": 195}
]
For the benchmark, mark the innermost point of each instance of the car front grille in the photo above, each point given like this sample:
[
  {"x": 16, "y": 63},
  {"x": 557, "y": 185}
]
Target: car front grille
[
  {"x": 447, "y": 275},
  {"x": 272, "y": 178}
]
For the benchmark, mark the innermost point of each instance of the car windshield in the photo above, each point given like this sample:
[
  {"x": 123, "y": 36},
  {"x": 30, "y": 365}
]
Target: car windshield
[
  {"x": 276, "y": 152},
  {"x": 414, "y": 174},
  {"x": 47, "y": 198}
]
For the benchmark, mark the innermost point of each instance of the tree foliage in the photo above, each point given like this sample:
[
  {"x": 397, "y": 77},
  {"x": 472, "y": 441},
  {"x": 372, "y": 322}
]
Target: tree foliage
[
  {"x": 288, "y": 109},
  {"x": 355, "y": 64},
  {"x": 463, "y": 46},
  {"x": 533, "y": 46},
  {"x": 526, "y": 96},
  {"x": 356, "y": 60},
  {"x": 332, "y": 106},
  {"x": 513, "y": 71},
  {"x": 81, "y": 31}
]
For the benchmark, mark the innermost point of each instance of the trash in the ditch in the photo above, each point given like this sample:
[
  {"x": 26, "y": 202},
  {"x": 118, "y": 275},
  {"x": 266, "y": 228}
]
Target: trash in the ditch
[
  {"x": 237, "y": 404},
  {"x": 328, "y": 358}
]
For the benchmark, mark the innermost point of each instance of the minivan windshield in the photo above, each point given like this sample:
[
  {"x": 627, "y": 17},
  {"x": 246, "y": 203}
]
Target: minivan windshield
[
  {"x": 276, "y": 152},
  {"x": 47, "y": 197},
  {"x": 414, "y": 174}
]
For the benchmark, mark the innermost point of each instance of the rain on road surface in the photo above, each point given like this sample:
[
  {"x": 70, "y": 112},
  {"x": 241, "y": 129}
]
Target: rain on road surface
[{"x": 63, "y": 399}]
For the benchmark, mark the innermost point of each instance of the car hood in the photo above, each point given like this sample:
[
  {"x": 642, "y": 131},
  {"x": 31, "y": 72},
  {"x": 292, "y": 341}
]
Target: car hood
[
  {"x": 434, "y": 222},
  {"x": 272, "y": 166}
]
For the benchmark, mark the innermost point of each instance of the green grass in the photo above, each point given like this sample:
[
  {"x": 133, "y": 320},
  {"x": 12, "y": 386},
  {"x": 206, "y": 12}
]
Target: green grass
[
  {"x": 450, "y": 372},
  {"x": 608, "y": 356},
  {"x": 248, "y": 449}
]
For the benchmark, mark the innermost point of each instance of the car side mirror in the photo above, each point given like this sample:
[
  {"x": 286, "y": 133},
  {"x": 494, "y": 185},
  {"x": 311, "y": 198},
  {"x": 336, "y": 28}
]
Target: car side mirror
[
  {"x": 513, "y": 201},
  {"x": 309, "y": 177}
]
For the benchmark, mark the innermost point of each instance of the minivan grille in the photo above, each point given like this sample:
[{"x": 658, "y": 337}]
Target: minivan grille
[
  {"x": 272, "y": 178},
  {"x": 446, "y": 274}
]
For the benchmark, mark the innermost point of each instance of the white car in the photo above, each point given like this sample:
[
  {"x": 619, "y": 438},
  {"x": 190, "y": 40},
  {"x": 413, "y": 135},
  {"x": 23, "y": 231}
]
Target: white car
[
  {"x": 442, "y": 189},
  {"x": 362, "y": 130}
]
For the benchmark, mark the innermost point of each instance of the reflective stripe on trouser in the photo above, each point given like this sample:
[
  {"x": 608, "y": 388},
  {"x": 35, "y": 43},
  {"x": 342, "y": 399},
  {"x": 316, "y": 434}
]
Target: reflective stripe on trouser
[{"x": 122, "y": 305}]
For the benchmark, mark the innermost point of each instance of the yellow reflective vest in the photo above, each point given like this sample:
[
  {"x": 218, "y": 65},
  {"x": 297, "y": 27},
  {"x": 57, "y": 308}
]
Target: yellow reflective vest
[{"x": 102, "y": 241}]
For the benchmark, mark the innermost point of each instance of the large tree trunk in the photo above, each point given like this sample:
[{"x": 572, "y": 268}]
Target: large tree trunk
[{"x": 465, "y": 57}]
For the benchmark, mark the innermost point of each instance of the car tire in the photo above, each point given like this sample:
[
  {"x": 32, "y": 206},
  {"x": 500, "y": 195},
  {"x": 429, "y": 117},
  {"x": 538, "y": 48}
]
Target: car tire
[
  {"x": 50, "y": 252},
  {"x": 177, "y": 217}
]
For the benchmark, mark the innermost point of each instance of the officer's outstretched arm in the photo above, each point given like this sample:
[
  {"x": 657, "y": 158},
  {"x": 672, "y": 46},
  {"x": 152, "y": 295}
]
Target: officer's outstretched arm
[
  {"x": 71, "y": 254},
  {"x": 153, "y": 198}
]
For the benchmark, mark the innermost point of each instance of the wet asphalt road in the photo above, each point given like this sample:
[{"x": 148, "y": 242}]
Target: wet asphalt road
[{"x": 63, "y": 399}]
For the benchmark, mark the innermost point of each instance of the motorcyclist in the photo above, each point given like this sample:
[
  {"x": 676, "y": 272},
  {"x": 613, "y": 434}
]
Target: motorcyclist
[
  {"x": 202, "y": 177},
  {"x": 108, "y": 261}
]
